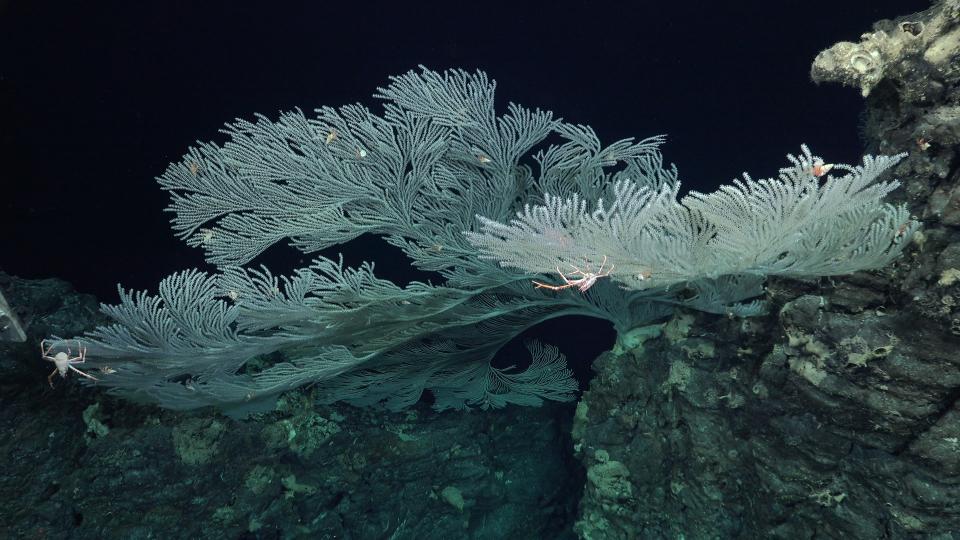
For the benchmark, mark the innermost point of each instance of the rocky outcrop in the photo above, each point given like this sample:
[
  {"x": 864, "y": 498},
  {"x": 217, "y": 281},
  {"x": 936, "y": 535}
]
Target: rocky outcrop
[{"x": 836, "y": 416}]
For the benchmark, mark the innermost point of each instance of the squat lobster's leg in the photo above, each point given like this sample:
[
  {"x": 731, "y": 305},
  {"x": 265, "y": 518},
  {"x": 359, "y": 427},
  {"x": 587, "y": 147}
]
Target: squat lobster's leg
[
  {"x": 45, "y": 353},
  {"x": 50, "y": 377}
]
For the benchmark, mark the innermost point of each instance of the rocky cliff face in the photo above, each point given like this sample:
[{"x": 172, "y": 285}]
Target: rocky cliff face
[{"x": 835, "y": 416}]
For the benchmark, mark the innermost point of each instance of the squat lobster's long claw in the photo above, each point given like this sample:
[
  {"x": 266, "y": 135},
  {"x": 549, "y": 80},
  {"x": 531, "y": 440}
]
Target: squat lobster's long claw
[
  {"x": 87, "y": 375},
  {"x": 54, "y": 372},
  {"x": 539, "y": 285}
]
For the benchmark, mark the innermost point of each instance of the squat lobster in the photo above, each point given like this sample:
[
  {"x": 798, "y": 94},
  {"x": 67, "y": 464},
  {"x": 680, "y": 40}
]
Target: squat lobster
[
  {"x": 63, "y": 361},
  {"x": 582, "y": 283}
]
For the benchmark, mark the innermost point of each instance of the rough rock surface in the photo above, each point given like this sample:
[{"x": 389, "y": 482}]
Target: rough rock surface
[
  {"x": 836, "y": 416},
  {"x": 81, "y": 464}
]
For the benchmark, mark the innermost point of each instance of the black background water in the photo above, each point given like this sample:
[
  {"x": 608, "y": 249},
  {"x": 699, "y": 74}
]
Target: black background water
[{"x": 97, "y": 97}]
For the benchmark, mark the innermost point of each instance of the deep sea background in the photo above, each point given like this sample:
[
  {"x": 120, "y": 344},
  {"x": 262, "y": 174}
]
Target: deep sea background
[{"x": 96, "y": 98}]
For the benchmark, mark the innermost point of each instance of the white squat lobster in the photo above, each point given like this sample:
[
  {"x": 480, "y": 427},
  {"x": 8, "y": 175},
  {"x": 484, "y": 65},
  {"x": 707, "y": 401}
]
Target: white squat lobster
[
  {"x": 64, "y": 362},
  {"x": 582, "y": 283}
]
